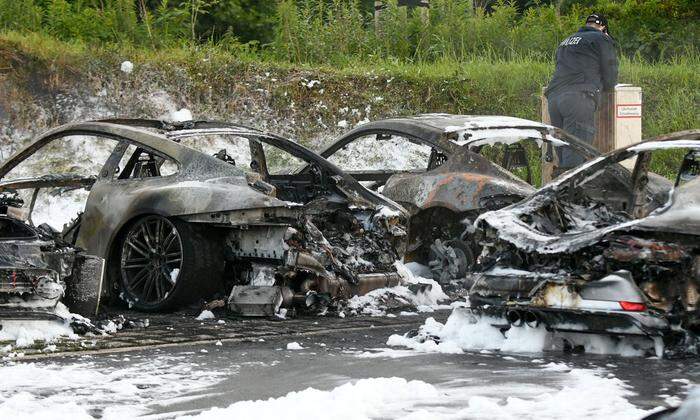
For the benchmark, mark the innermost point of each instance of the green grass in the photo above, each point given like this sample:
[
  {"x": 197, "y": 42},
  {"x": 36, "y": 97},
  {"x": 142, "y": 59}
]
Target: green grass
[{"x": 476, "y": 86}]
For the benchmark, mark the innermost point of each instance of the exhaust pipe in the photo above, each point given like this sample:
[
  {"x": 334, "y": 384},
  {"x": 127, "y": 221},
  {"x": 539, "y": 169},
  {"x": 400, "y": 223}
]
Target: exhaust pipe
[
  {"x": 514, "y": 318},
  {"x": 305, "y": 300},
  {"x": 531, "y": 319}
]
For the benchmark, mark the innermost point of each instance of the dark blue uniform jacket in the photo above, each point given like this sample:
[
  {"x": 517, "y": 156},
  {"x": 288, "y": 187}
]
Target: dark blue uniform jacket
[{"x": 586, "y": 62}]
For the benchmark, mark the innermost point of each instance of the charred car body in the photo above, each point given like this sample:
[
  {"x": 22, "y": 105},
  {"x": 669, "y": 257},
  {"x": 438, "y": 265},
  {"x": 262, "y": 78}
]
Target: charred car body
[
  {"x": 602, "y": 249},
  {"x": 454, "y": 178},
  {"x": 175, "y": 224},
  {"x": 35, "y": 266}
]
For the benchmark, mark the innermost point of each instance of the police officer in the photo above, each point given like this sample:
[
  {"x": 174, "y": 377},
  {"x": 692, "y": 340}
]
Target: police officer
[{"x": 586, "y": 66}]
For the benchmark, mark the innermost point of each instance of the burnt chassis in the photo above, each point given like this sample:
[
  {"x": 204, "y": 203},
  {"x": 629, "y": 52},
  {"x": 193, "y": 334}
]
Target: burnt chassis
[
  {"x": 637, "y": 275},
  {"x": 458, "y": 183},
  {"x": 32, "y": 270},
  {"x": 36, "y": 265},
  {"x": 227, "y": 222}
]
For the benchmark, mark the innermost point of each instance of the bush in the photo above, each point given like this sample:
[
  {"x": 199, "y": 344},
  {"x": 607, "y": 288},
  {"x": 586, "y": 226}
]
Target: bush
[
  {"x": 654, "y": 29},
  {"x": 332, "y": 31},
  {"x": 20, "y": 15},
  {"x": 326, "y": 31}
]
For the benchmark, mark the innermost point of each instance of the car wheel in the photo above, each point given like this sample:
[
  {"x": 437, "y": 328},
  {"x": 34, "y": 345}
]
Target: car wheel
[
  {"x": 165, "y": 263},
  {"x": 450, "y": 260}
]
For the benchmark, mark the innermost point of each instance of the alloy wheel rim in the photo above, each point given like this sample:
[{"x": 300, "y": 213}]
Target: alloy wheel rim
[{"x": 151, "y": 260}]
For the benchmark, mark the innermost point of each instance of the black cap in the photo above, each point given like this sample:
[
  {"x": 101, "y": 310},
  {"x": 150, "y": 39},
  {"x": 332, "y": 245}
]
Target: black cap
[
  {"x": 597, "y": 18},
  {"x": 600, "y": 20}
]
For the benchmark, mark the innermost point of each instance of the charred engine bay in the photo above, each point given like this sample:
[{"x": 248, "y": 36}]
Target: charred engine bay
[
  {"x": 329, "y": 256},
  {"x": 665, "y": 264},
  {"x": 585, "y": 264}
]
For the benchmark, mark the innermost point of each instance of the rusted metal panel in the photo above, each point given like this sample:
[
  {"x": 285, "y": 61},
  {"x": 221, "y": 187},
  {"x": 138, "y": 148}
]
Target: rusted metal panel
[{"x": 631, "y": 249}]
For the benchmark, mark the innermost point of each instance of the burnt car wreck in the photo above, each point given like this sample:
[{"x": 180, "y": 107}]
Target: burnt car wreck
[
  {"x": 175, "y": 225},
  {"x": 603, "y": 250},
  {"x": 36, "y": 266},
  {"x": 465, "y": 166}
]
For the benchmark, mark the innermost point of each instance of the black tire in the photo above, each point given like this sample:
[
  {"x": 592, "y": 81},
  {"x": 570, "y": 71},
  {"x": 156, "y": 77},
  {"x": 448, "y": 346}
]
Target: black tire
[{"x": 149, "y": 255}]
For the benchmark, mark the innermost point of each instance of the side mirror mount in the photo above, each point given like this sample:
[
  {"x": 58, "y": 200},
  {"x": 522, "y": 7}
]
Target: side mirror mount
[
  {"x": 690, "y": 168},
  {"x": 515, "y": 157}
]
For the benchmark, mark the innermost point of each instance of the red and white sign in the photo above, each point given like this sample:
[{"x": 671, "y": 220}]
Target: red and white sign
[{"x": 628, "y": 111}]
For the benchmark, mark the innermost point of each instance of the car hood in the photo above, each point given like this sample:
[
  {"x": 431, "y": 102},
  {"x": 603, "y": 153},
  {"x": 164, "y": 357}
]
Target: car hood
[{"x": 679, "y": 215}]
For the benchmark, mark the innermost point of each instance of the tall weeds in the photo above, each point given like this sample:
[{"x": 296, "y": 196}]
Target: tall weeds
[
  {"x": 329, "y": 31},
  {"x": 314, "y": 31},
  {"x": 339, "y": 31}
]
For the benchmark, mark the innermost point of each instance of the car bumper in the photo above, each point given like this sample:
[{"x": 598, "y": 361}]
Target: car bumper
[{"x": 607, "y": 322}]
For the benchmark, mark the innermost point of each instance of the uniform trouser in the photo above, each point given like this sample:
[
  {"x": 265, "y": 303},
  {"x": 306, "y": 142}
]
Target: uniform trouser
[{"x": 574, "y": 112}]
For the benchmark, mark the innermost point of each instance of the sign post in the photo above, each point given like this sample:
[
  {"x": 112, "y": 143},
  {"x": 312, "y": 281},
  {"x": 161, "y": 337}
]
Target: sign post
[{"x": 618, "y": 122}]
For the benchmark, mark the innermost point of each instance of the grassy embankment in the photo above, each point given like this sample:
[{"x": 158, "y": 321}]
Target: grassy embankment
[{"x": 478, "y": 86}]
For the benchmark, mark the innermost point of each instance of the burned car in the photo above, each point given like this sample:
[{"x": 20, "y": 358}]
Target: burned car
[
  {"x": 35, "y": 267},
  {"x": 447, "y": 169},
  {"x": 603, "y": 249},
  {"x": 175, "y": 224}
]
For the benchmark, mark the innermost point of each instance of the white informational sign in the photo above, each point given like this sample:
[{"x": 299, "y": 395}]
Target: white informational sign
[{"x": 629, "y": 111}]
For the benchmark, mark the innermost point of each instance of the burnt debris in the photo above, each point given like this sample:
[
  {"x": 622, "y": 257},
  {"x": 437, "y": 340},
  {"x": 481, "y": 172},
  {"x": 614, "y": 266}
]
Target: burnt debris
[
  {"x": 600, "y": 250},
  {"x": 37, "y": 268}
]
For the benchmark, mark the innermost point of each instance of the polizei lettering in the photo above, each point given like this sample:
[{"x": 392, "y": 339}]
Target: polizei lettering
[{"x": 572, "y": 40}]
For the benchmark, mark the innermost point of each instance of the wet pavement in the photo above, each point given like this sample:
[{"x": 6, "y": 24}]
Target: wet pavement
[
  {"x": 248, "y": 360},
  {"x": 177, "y": 329}
]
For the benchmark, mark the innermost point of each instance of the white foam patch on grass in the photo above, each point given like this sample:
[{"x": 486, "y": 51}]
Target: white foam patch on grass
[
  {"x": 127, "y": 66},
  {"x": 89, "y": 390},
  {"x": 583, "y": 394},
  {"x": 180, "y": 115}
]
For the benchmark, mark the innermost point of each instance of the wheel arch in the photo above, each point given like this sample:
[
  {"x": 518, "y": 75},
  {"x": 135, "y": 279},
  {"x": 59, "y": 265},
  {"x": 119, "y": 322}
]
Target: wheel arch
[{"x": 423, "y": 224}]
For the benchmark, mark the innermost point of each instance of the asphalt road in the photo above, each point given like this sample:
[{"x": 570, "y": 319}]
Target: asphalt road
[{"x": 264, "y": 368}]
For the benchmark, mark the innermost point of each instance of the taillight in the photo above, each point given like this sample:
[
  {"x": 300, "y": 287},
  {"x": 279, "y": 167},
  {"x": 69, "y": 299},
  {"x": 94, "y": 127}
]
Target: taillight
[{"x": 632, "y": 306}]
